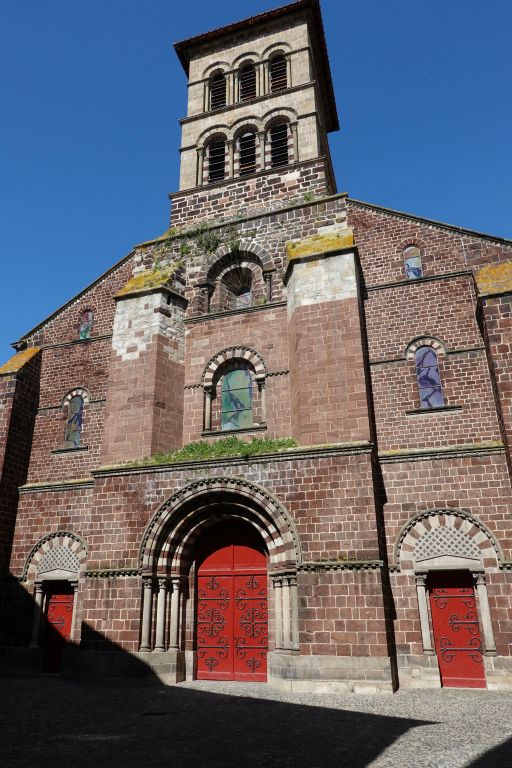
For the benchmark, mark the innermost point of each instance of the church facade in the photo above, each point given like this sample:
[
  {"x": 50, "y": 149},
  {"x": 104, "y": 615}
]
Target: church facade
[{"x": 274, "y": 442}]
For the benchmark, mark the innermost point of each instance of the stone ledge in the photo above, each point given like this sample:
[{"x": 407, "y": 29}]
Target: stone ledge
[
  {"x": 59, "y": 485},
  {"x": 450, "y": 451},
  {"x": 330, "y": 674}
]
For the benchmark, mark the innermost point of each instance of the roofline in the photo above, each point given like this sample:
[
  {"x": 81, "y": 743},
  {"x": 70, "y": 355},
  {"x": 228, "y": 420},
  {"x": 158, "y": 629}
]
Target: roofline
[
  {"x": 182, "y": 47},
  {"x": 441, "y": 224},
  {"x": 67, "y": 304}
]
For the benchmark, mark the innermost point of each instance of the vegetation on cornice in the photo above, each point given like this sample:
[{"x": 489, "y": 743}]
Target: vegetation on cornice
[
  {"x": 154, "y": 278},
  {"x": 495, "y": 278},
  {"x": 222, "y": 448}
]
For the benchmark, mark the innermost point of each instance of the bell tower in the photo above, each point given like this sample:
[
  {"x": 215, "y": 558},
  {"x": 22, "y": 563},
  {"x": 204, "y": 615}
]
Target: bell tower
[{"x": 260, "y": 106}]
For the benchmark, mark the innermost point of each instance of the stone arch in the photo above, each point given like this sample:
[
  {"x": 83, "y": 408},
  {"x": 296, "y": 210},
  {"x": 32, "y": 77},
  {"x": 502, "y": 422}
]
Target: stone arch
[
  {"x": 413, "y": 241},
  {"x": 248, "y": 57},
  {"x": 214, "y": 67},
  {"x": 252, "y": 357},
  {"x": 169, "y": 537},
  {"x": 224, "y": 256},
  {"x": 58, "y": 555},
  {"x": 219, "y": 131},
  {"x": 278, "y": 115},
  {"x": 275, "y": 48},
  {"x": 441, "y": 538},
  {"x": 77, "y": 391},
  {"x": 424, "y": 341}
]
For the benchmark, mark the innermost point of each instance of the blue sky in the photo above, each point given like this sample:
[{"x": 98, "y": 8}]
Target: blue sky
[{"x": 91, "y": 95}]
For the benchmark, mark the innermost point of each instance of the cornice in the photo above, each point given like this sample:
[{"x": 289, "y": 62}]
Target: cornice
[
  {"x": 423, "y": 454},
  {"x": 62, "y": 485},
  {"x": 341, "y": 565}
]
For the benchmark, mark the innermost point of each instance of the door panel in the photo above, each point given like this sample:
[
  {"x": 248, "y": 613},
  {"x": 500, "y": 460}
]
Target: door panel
[
  {"x": 232, "y": 614},
  {"x": 59, "y": 615},
  {"x": 456, "y": 630}
]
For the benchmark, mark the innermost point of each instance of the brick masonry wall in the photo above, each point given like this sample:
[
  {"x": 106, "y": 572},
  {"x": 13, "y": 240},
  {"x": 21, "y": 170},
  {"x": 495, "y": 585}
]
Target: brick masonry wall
[
  {"x": 18, "y": 403},
  {"x": 496, "y": 314}
]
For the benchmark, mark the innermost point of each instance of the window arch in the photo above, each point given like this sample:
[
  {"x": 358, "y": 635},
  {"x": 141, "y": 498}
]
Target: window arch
[
  {"x": 278, "y": 74},
  {"x": 73, "y": 433},
  {"x": 247, "y": 75},
  {"x": 279, "y": 154},
  {"x": 247, "y": 153},
  {"x": 85, "y": 326},
  {"x": 412, "y": 262},
  {"x": 217, "y": 90},
  {"x": 216, "y": 154},
  {"x": 236, "y": 288},
  {"x": 428, "y": 378}
]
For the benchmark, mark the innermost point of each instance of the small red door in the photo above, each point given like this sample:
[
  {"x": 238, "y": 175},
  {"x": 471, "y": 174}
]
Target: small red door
[
  {"x": 232, "y": 616},
  {"x": 456, "y": 630},
  {"x": 59, "y": 615}
]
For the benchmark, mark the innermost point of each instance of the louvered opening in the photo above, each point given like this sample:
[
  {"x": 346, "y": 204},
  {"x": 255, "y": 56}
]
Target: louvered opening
[
  {"x": 217, "y": 91},
  {"x": 247, "y": 82},
  {"x": 247, "y": 153},
  {"x": 216, "y": 160},
  {"x": 279, "y": 144},
  {"x": 278, "y": 79}
]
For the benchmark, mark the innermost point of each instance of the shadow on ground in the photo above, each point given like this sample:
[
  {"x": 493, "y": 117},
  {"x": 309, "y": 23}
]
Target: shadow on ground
[{"x": 50, "y": 721}]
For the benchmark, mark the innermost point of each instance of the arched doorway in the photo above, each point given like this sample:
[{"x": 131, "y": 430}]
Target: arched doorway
[{"x": 231, "y": 605}]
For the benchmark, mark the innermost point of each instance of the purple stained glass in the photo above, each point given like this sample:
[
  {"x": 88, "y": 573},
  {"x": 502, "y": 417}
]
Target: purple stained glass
[
  {"x": 74, "y": 422},
  {"x": 429, "y": 380}
]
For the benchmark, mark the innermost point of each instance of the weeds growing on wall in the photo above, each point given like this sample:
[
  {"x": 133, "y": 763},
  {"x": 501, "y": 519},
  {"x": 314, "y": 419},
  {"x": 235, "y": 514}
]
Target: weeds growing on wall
[{"x": 222, "y": 448}]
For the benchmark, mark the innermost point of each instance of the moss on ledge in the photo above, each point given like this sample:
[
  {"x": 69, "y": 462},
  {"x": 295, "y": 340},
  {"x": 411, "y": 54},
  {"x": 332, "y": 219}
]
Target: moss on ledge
[
  {"x": 18, "y": 360},
  {"x": 495, "y": 278},
  {"x": 221, "y": 448},
  {"x": 319, "y": 244},
  {"x": 155, "y": 278}
]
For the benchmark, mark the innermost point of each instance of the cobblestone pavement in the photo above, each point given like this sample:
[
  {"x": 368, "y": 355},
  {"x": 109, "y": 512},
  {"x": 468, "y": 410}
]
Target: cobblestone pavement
[{"x": 48, "y": 721}]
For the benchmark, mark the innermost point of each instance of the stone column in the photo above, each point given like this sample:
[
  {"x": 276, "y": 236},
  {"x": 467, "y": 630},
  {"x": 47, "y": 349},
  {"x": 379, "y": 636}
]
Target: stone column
[
  {"x": 231, "y": 158},
  {"x": 421, "y": 581},
  {"x": 160, "y": 615},
  {"x": 289, "y": 71},
  {"x": 259, "y": 79},
  {"x": 278, "y": 611},
  {"x": 261, "y": 139},
  {"x": 267, "y": 276},
  {"x": 74, "y": 586},
  {"x": 147, "y": 605},
  {"x": 295, "y": 139},
  {"x": 261, "y": 386},
  {"x": 199, "y": 166},
  {"x": 36, "y": 616},
  {"x": 485, "y": 614},
  {"x": 207, "y": 409},
  {"x": 287, "y": 640},
  {"x": 294, "y": 611},
  {"x": 175, "y": 614}
]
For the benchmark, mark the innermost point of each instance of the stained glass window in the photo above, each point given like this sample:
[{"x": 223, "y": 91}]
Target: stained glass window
[
  {"x": 237, "y": 400},
  {"x": 412, "y": 262},
  {"x": 429, "y": 380},
  {"x": 74, "y": 422},
  {"x": 86, "y": 325}
]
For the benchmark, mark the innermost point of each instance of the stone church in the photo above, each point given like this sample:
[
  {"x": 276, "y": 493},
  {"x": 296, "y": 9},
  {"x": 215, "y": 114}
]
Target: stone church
[{"x": 273, "y": 443}]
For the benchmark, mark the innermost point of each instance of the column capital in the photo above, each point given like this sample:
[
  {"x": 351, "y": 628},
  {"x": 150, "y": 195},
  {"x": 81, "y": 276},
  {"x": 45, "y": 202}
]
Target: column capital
[
  {"x": 479, "y": 578},
  {"x": 147, "y": 581},
  {"x": 421, "y": 579}
]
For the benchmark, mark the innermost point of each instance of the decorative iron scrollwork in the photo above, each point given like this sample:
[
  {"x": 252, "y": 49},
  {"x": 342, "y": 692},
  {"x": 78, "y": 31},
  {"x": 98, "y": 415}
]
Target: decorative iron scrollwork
[
  {"x": 441, "y": 597},
  {"x": 449, "y": 651},
  {"x": 469, "y": 622}
]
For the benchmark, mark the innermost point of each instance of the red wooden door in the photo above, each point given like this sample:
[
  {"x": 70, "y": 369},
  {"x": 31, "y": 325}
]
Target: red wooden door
[
  {"x": 456, "y": 630},
  {"x": 59, "y": 615},
  {"x": 232, "y": 616}
]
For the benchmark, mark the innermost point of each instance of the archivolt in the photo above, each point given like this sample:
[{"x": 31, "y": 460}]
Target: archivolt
[
  {"x": 424, "y": 522},
  {"x": 50, "y": 544},
  {"x": 170, "y": 535}
]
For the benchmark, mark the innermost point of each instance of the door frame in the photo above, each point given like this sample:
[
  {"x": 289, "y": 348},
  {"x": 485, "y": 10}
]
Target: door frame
[{"x": 42, "y": 594}]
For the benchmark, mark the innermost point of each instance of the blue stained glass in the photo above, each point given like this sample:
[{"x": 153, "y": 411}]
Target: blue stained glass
[
  {"x": 429, "y": 380},
  {"x": 74, "y": 422},
  {"x": 236, "y": 400},
  {"x": 413, "y": 266}
]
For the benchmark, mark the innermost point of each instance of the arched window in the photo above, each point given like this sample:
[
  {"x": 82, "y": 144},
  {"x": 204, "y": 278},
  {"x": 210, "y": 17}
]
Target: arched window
[
  {"x": 85, "y": 328},
  {"x": 74, "y": 422},
  {"x": 412, "y": 263},
  {"x": 244, "y": 297},
  {"x": 247, "y": 82},
  {"x": 428, "y": 378},
  {"x": 247, "y": 153},
  {"x": 216, "y": 160},
  {"x": 236, "y": 393},
  {"x": 217, "y": 91},
  {"x": 279, "y": 144},
  {"x": 278, "y": 78}
]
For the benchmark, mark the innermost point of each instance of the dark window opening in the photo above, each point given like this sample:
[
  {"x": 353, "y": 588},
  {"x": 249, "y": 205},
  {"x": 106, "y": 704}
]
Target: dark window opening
[
  {"x": 279, "y": 144},
  {"x": 247, "y": 82},
  {"x": 278, "y": 78},
  {"x": 247, "y": 144},
  {"x": 217, "y": 91},
  {"x": 243, "y": 298},
  {"x": 216, "y": 160}
]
